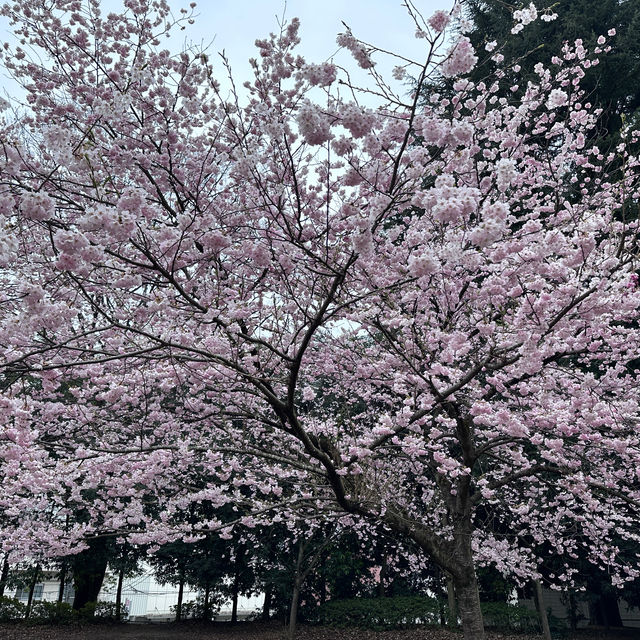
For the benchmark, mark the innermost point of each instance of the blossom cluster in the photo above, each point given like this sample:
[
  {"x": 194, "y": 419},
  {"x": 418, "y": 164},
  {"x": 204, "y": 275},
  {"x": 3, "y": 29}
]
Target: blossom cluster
[
  {"x": 460, "y": 59},
  {"x": 320, "y": 74},
  {"x": 439, "y": 21},
  {"x": 524, "y": 17},
  {"x": 358, "y": 51}
]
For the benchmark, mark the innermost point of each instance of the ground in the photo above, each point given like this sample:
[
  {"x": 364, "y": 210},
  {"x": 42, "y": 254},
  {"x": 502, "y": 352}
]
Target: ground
[
  {"x": 219, "y": 632},
  {"x": 245, "y": 632}
]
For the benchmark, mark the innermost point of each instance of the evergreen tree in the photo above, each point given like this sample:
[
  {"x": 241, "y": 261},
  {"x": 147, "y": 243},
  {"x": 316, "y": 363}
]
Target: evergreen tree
[{"x": 613, "y": 85}]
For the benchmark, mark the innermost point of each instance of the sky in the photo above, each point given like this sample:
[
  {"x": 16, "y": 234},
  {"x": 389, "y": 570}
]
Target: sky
[{"x": 234, "y": 25}]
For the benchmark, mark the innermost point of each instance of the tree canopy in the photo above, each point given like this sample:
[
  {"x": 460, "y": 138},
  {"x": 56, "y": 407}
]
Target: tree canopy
[{"x": 461, "y": 273}]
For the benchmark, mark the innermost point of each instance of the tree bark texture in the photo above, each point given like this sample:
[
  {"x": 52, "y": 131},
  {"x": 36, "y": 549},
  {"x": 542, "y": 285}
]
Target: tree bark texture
[
  {"x": 180, "y": 596},
  {"x": 295, "y": 596},
  {"x": 32, "y": 588},
  {"x": 119, "y": 594},
  {"x": 206, "y": 612},
  {"x": 451, "y": 601},
  {"x": 468, "y": 600},
  {"x": 89, "y": 568},
  {"x": 266, "y": 607},
  {"x": 63, "y": 581},
  {"x": 4, "y": 576},
  {"x": 542, "y": 610},
  {"x": 234, "y": 594}
]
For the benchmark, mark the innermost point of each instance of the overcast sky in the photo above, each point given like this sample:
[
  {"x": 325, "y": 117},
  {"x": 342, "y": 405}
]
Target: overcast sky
[{"x": 234, "y": 25}]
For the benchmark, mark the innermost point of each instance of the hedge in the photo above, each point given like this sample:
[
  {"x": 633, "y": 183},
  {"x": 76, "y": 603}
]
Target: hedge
[{"x": 376, "y": 613}]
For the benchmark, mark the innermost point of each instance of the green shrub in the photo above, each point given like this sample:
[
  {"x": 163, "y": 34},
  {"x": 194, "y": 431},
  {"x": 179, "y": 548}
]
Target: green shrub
[
  {"x": 194, "y": 609},
  {"x": 45, "y": 612},
  {"x": 11, "y": 609},
  {"x": 107, "y": 611},
  {"x": 101, "y": 612},
  {"x": 510, "y": 617},
  {"x": 376, "y": 613}
]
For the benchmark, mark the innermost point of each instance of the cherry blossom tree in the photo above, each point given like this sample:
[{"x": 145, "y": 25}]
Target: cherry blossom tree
[{"x": 421, "y": 317}]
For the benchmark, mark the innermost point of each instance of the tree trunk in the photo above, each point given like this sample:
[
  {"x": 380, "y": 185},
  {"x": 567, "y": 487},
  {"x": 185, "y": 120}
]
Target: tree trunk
[
  {"x": 4, "y": 576},
  {"x": 468, "y": 600},
  {"x": 573, "y": 611},
  {"x": 542, "y": 611},
  {"x": 383, "y": 577},
  {"x": 266, "y": 607},
  {"x": 604, "y": 611},
  {"x": 611, "y": 610},
  {"x": 119, "y": 594},
  {"x": 295, "y": 596},
  {"x": 180, "y": 595},
  {"x": 323, "y": 579},
  {"x": 89, "y": 568},
  {"x": 63, "y": 582},
  {"x": 207, "y": 593},
  {"x": 293, "y": 613},
  {"x": 32, "y": 588},
  {"x": 234, "y": 593},
  {"x": 451, "y": 600},
  {"x": 608, "y": 605}
]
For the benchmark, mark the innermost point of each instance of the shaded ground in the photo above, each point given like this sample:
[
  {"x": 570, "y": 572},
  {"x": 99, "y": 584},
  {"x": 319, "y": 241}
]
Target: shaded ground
[
  {"x": 221, "y": 632},
  {"x": 250, "y": 632}
]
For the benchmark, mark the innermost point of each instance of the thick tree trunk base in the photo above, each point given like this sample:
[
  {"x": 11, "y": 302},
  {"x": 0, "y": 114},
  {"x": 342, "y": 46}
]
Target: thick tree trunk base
[
  {"x": 451, "y": 601},
  {"x": 468, "y": 601}
]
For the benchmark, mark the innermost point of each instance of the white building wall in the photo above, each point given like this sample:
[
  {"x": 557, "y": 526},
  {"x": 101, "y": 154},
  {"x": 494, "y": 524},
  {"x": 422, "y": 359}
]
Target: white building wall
[{"x": 144, "y": 596}]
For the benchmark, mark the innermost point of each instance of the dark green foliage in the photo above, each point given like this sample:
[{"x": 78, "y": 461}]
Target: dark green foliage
[
  {"x": 493, "y": 586},
  {"x": 377, "y": 613},
  {"x": 200, "y": 564},
  {"x": 405, "y": 611},
  {"x": 11, "y": 609},
  {"x": 346, "y": 568},
  {"x": 613, "y": 85},
  {"x": 98, "y": 612},
  {"x": 510, "y": 617},
  {"x": 44, "y": 612},
  {"x": 274, "y": 551},
  {"x": 217, "y": 566},
  {"x": 196, "y": 609}
]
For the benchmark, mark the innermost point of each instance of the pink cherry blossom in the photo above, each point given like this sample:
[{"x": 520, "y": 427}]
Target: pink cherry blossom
[
  {"x": 439, "y": 21},
  {"x": 460, "y": 58},
  {"x": 407, "y": 315}
]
